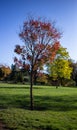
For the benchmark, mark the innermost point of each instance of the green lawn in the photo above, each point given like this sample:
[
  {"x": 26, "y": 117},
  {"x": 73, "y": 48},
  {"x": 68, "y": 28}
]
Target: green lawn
[{"x": 55, "y": 109}]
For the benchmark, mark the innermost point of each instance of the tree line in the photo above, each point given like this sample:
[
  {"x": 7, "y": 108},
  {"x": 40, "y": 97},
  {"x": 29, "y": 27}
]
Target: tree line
[{"x": 61, "y": 72}]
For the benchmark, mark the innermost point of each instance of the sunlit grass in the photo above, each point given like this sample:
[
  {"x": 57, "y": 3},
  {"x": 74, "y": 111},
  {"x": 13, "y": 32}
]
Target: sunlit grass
[{"x": 54, "y": 109}]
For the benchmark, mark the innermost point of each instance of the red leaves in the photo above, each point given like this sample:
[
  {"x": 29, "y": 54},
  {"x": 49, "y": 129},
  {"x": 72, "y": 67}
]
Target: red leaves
[
  {"x": 38, "y": 37},
  {"x": 33, "y": 36},
  {"x": 53, "y": 50},
  {"x": 33, "y": 29},
  {"x": 49, "y": 53},
  {"x": 40, "y": 24},
  {"x": 34, "y": 23},
  {"x": 29, "y": 57},
  {"x": 39, "y": 47},
  {"x": 56, "y": 45},
  {"x": 45, "y": 26},
  {"x": 18, "y": 49}
]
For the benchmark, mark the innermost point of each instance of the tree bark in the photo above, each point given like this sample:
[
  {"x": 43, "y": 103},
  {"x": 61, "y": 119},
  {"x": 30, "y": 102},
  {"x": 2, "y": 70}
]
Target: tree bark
[
  {"x": 35, "y": 77},
  {"x": 31, "y": 91}
]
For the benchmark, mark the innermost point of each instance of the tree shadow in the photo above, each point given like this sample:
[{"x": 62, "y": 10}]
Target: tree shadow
[
  {"x": 41, "y": 103},
  {"x": 5, "y": 87},
  {"x": 56, "y": 103},
  {"x": 14, "y": 101}
]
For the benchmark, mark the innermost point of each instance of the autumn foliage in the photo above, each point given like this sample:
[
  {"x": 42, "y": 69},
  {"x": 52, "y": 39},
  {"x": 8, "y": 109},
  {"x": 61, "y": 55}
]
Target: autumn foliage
[
  {"x": 60, "y": 69},
  {"x": 40, "y": 45},
  {"x": 4, "y": 71}
]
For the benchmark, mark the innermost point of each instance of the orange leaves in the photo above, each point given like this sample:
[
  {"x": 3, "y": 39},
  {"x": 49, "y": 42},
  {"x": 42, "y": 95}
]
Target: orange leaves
[
  {"x": 53, "y": 50},
  {"x": 56, "y": 46},
  {"x": 50, "y": 52},
  {"x": 5, "y": 71}
]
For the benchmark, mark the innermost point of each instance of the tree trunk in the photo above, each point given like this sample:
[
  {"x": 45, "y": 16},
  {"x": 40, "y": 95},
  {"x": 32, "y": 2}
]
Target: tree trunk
[
  {"x": 31, "y": 91},
  {"x": 35, "y": 77}
]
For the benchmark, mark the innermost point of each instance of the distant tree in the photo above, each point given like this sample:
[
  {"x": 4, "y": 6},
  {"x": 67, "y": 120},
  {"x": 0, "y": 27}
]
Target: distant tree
[
  {"x": 13, "y": 73},
  {"x": 60, "y": 68},
  {"x": 40, "y": 46},
  {"x": 4, "y": 71},
  {"x": 1, "y": 74},
  {"x": 17, "y": 74},
  {"x": 42, "y": 78},
  {"x": 74, "y": 71}
]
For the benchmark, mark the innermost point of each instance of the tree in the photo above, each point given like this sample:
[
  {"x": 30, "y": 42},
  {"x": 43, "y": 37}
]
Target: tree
[
  {"x": 4, "y": 71},
  {"x": 1, "y": 74},
  {"x": 40, "y": 46},
  {"x": 74, "y": 71},
  {"x": 60, "y": 68},
  {"x": 42, "y": 78}
]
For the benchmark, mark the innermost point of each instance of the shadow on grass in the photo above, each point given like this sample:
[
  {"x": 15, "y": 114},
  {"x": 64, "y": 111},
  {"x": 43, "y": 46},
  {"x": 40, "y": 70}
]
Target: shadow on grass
[
  {"x": 15, "y": 101},
  {"x": 54, "y": 103},
  {"x": 14, "y": 87}
]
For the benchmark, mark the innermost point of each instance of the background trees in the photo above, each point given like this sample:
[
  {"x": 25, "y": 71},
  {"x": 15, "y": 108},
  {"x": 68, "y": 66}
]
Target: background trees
[
  {"x": 40, "y": 39},
  {"x": 74, "y": 71},
  {"x": 4, "y": 71},
  {"x": 60, "y": 69}
]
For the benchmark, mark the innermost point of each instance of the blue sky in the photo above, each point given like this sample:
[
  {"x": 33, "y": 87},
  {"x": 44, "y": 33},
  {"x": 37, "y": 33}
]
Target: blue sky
[{"x": 14, "y": 12}]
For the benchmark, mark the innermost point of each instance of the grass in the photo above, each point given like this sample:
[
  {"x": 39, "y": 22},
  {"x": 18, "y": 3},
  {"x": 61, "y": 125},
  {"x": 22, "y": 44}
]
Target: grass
[{"x": 55, "y": 109}]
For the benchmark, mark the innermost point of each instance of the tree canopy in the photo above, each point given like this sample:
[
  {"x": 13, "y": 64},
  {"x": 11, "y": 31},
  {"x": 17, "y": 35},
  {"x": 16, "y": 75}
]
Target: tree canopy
[{"x": 60, "y": 68}]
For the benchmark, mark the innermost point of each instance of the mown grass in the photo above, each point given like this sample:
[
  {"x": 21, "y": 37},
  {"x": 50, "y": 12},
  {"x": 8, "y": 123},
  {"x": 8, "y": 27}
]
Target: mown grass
[{"x": 55, "y": 109}]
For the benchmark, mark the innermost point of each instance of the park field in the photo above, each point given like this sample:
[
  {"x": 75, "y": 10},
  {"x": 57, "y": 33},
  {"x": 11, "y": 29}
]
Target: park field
[{"x": 54, "y": 109}]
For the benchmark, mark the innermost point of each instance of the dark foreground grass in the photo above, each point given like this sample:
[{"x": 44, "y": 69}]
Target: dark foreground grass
[{"x": 55, "y": 109}]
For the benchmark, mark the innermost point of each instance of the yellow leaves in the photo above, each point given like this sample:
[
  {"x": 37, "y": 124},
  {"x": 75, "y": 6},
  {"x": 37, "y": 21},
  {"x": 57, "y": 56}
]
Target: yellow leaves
[
  {"x": 61, "y": 68},
  {"x": 62, "y": 53},
  {"x": 6, "y": 70}
]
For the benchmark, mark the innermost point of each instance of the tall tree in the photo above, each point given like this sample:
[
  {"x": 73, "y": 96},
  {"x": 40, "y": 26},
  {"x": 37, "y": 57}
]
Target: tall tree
[
  {"x": 40, "y": 46},
  {"x": 60, "y": 68}
]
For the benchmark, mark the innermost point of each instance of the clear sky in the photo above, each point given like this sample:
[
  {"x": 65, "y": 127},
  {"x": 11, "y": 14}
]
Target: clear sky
[{"x": 14, "y": 12}]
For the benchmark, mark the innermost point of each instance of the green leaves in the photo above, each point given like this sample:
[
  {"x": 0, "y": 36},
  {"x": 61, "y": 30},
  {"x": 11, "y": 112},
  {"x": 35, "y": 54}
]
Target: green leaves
[
  {"x": 60, "y": 68},
  {"x": 62, "y": 53}
]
